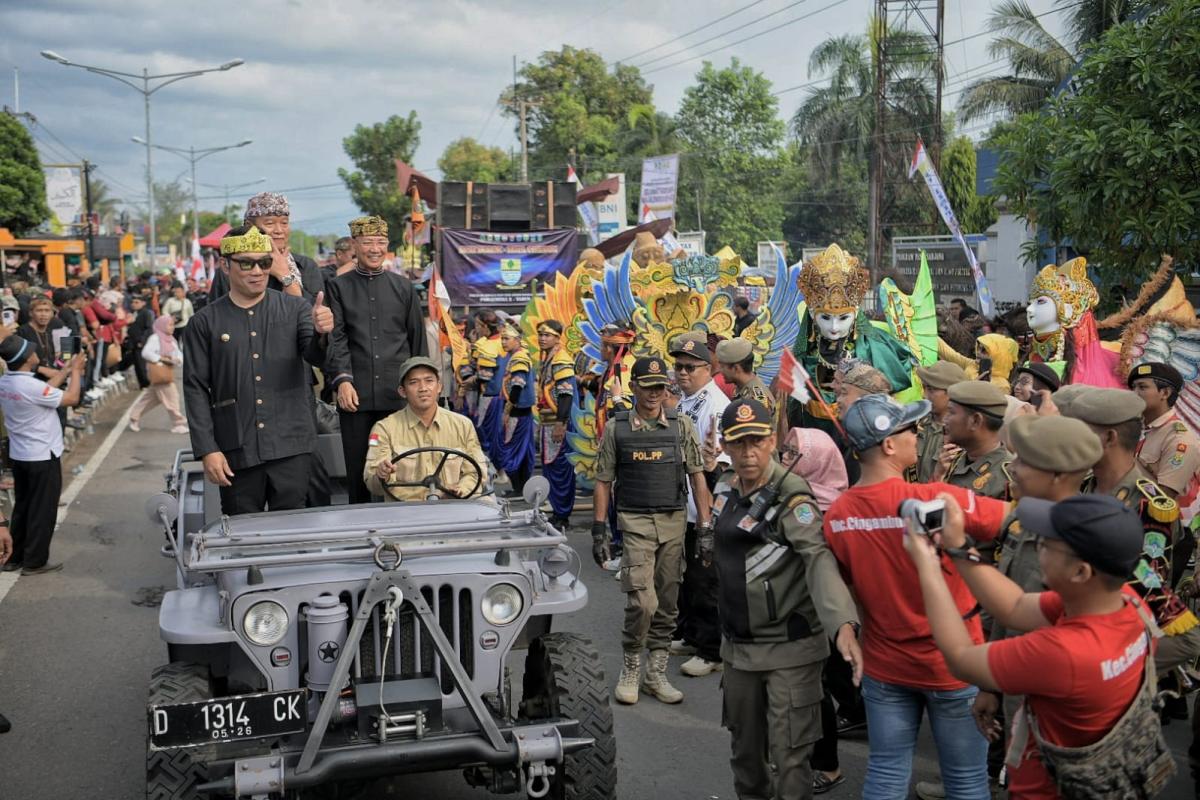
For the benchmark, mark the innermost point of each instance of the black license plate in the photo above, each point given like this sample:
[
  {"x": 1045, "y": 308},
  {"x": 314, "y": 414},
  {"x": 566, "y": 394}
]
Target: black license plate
[{"x": 228, "y": 719}]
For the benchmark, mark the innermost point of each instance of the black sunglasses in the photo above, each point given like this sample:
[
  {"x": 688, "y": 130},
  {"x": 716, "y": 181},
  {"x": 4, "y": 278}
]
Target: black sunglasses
[
  {"x": 688, "y": 367},
  {"x": 263, "y": 263}
]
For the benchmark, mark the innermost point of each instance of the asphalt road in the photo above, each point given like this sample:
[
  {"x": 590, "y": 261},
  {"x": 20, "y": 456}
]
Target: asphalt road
[{"x": 77, "y": 648}]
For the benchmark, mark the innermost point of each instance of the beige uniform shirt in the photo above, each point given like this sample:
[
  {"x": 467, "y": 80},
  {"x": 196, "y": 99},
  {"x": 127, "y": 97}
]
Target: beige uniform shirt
[
  {"x": 1170, "y": 452},
  {"x": 404, "y": 430}
]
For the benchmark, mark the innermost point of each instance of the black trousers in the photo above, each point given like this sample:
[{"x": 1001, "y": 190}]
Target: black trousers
[
  {"x": 37, "y": 486},
  {"x": 278, "y": 484},
  {"x": 699, "y": 624},
  {"x": 356, "y": 429}
]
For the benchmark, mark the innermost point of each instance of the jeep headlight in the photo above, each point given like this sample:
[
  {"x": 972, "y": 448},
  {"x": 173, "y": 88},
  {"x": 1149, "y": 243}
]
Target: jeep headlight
[
  {"x": 266, "y": 623},
  {"x": 502, "y": 604}
]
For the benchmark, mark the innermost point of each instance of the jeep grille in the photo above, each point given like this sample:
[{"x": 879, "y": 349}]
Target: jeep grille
[{"x": 413, "y": 656}]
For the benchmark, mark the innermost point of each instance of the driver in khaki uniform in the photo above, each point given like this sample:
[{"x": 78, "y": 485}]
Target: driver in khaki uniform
[{"x": 423, "y": 423}]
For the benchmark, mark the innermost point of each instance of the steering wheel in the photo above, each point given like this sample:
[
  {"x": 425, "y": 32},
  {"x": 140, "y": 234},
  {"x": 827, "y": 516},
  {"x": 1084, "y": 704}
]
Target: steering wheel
[{"x": 432, "y": 480}]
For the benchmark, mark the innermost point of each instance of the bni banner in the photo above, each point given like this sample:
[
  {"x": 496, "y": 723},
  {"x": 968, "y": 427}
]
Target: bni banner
[
  {"x": 64, "y": 193},
  {"x": 660, "y": 178},
  {"x": 482, "y": 268}
]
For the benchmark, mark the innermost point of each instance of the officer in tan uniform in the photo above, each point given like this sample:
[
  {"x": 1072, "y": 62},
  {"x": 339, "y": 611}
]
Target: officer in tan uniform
[
  {"x": 974, "y": 415},
  {"x": 1169, "y": 451},
  {"x": 936, "y": 380},
  {"x": 423, "y": 423},
  {"x": 652, "y": 455},
  {"x": 735, "y": 358},
  {"x": 782, "y": 600},
  {"x": 1116, "y": 416}
]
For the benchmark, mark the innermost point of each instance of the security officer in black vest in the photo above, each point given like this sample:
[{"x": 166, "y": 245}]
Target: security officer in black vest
[
  {"x": 782, "y": 599},
  {"x": 652, "y": 454}
]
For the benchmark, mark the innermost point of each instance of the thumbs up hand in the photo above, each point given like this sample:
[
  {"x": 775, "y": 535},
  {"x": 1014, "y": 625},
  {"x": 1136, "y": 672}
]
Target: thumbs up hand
[{"x": 322, "y": 317}]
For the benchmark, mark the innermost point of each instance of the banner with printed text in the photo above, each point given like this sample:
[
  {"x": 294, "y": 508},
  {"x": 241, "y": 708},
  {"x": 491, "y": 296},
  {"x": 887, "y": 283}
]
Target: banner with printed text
[{"x": 481, "y": 268}]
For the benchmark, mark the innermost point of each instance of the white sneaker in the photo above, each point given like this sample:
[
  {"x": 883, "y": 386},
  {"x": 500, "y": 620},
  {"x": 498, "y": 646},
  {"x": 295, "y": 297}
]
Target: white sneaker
[{"x": 697, "y": 667}]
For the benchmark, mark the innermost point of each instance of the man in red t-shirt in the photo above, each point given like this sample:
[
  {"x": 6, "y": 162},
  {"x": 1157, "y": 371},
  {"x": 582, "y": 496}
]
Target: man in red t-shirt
[
  {"x": 904, "y": 674},
  {"x": 1081, "y": 664}
]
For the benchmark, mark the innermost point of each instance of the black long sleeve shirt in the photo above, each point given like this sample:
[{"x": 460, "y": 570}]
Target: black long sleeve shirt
[
  {"x": 377, "y": 326},
  {"x": 245, "y": 381}
]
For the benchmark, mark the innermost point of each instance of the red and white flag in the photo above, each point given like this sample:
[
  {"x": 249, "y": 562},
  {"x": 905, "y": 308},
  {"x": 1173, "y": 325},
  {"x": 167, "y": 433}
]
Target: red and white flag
[{"x": 793, "y": 377}]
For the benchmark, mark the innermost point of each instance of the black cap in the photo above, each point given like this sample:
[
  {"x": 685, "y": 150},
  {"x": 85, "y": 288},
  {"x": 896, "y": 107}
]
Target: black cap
[
  {"x": 746, "y": 418},
  {"x": 1043, "y": 372},
  {"x": 1160, "y": 373},
  {"x": 650, "y": 371},
  {"x": 1099, "y": 528}
]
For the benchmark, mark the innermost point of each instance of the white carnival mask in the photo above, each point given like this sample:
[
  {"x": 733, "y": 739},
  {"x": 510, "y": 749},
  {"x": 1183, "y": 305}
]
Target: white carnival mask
[
  {"x": 1042, "y": 314},
  {"x": 836, "y": 326}
]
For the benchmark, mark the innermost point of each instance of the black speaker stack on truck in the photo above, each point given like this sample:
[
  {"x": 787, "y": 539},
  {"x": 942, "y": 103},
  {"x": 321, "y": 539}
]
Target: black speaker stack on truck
[{"x": 506, "y": 207}]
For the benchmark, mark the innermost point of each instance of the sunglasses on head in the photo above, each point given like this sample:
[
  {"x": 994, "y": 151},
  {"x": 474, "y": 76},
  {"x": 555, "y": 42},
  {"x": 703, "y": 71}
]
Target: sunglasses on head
[{"x": 263, "y": 263}]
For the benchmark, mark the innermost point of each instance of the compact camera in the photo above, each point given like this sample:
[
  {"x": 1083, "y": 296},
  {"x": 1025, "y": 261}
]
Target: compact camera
[{"x": 928, "y": 515}]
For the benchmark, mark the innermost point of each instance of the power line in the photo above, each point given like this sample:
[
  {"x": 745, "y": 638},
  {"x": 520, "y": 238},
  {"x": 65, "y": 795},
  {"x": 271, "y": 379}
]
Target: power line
[
  {"x": 713, "y": 38},
  {"x": 697, "y": 29}
]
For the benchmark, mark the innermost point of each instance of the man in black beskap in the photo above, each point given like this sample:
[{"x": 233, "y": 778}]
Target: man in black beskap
[{"x": 377, "y": 327}]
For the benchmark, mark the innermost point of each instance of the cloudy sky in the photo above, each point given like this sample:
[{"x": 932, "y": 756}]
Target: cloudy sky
[{"x": 316, "y": 68}]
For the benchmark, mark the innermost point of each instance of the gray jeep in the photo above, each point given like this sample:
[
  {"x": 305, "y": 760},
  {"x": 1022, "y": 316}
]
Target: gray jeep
[{"x": 312, "y": 651}]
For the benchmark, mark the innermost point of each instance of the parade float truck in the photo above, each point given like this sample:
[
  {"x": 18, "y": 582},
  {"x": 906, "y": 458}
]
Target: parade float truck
[{"x": 312, "y": 651}]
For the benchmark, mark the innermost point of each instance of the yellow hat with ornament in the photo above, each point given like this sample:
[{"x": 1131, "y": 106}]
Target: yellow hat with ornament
[
  {"x": 1069, "y": 287},
  {"x": 834, "y": 281}
]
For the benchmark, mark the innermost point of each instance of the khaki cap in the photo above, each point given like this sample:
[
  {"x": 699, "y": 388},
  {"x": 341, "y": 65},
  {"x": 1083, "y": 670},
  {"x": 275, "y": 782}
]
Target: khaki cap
[
  {"x": 979, "y": 396},
  {"x": 734, "y": 351},
  {"x": 1054, "y": 444},
  {"x": 941, "y": 375},
  {"x": 1103, "y": 407}
]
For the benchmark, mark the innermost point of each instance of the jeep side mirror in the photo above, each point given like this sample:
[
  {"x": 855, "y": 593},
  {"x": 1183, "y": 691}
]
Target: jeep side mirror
[{"x": 537, "y": 489}]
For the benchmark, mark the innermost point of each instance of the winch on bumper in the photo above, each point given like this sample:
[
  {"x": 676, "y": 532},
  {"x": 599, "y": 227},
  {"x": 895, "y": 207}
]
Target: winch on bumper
[{"x": 400, "y": 718}]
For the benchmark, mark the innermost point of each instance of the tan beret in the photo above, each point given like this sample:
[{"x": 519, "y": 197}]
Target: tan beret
[
  {"x": 1054, "y": 444},
  {"x": 735, "y": 350},
  {"x": 941, "y": 375},
  {"x": 1098, "y": 406},
  {"x": 979, "y": 396}
]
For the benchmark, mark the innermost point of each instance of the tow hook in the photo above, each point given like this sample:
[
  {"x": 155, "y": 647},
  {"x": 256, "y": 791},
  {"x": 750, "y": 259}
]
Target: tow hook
[{"x": 537, "y": 781}]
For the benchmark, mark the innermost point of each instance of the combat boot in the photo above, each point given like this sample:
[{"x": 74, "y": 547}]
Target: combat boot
[
  {"x": 627, "y": 684},
  {"x": 656, "y": 682}
]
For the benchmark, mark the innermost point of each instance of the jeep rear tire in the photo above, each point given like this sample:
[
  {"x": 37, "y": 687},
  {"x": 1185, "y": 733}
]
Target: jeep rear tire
[
  {"x": 563, "y": 678},
  {"x": 175, "y": 774}
]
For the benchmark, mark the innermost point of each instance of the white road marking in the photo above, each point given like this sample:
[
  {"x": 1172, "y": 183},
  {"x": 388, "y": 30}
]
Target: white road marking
[{"x": 9, "y": 579}]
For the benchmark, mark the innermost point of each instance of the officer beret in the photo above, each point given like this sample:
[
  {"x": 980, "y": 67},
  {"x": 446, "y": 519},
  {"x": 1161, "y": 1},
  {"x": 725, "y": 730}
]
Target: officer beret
[
  {"x": 979, "y": 396},
  {"x": 692, "y": 344},
  {"x": 417, "y": 361},
  {"x": 735, "y": 350},
  {"x": 1054, "y": 444},
  {"x": 1105, "y": 406},
  {"x": 650, "y": 371},
  {"x": 941, "y": 375},
  {"x": 1161, "y": 373},
  {"x": 746, "y": 418},
  {"x": 1043, "y": 372}
]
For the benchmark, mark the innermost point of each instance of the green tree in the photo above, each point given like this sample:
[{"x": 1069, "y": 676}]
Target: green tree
[
  {"x": 22, "y": 185},
  {"x": 976, "y": 213},
  {"x": 374, "y": 151},
  {"x": 467, "y": 160},
  {"x": 576, "y": 109},
  {"x": 733, "y": 162},
  {"x": 1112, "y": 168}
]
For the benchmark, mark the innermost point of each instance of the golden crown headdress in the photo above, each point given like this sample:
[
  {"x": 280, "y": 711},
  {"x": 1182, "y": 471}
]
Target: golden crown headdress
[
  {"x": 252, "y": 241},
  {"x": 834, "y": 281},
  {"x": 1069, "y": 286}
]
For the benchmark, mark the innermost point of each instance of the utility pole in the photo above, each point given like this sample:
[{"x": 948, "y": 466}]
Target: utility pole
[{"x": 87, "y": 197}]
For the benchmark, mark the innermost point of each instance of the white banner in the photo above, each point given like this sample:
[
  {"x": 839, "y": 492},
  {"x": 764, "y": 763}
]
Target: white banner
[
  {"x": 660, "y": 178},
  {"x": 64, "y": 193}
]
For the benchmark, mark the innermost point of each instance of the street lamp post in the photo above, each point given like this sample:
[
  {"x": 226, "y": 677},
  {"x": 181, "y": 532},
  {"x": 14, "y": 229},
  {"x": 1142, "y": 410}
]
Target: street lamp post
[
  {"x": 193, "y": 155},
  {"x": 129, "y": 78}
]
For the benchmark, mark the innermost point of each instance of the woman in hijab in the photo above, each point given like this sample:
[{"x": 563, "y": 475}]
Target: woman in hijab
[
  {"x": 161, "y": 350},
  {"x": 813, "y": 455}
]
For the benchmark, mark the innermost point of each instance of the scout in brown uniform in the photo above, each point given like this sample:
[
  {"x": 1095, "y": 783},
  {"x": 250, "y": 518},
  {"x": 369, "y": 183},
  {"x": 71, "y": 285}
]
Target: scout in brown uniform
[
  {"x": 972, "y": 424},
  {"x": 936, "y": 379},
  {"x": 1116, "y": 416},
  {"x": 736, "y": 360},
  {"x": 1169, "y": 450},
  {"x": 773, "y": 649},
  {"x": 652, "y": 454}
]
